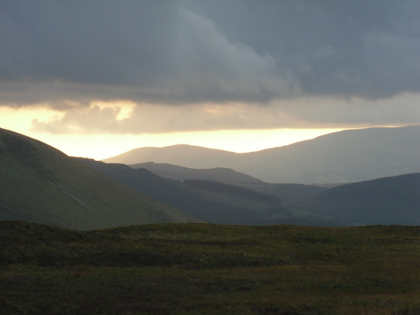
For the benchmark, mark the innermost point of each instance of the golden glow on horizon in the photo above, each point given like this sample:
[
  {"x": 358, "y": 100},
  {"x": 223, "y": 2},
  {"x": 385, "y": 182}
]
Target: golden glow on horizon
[
  {"x": 125, "y": 108},
  {"x": 20, "y": 119},
  {"x": 100, "y": 146}
]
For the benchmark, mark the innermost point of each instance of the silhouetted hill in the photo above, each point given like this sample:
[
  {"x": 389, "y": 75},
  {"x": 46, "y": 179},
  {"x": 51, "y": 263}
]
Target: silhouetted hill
[
  {"x": 342, "y": 157},
  {"x": 391, "y": 200},
  {"x": 41, "y": 184}
]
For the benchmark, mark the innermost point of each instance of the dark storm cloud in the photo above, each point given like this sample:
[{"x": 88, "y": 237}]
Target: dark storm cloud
[
  {"x": 79, "y": 47},
  {"x": 181, "y": 51},
  {"x": 312, "y": 62},
  {"x": 88, "y": 42},
  {"x": 156, "y": 51},
  {"x": 363, "y": 48}
]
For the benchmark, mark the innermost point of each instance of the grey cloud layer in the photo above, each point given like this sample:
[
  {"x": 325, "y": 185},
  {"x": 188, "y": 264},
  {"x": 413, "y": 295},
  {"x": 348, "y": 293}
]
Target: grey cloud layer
[
  {"x": 302, "y": 113},
  {"x": 156, "y": 51},
  {"x": 184, "y": 51}
]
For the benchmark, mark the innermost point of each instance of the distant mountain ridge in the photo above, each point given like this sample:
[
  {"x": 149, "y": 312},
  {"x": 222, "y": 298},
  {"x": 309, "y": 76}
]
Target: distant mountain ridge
[
  {"x": 342, "y": 157},
  {"x": 218, "y": 174},
  {"x": 289, "y": 194},
  {"x": 181, "y": 154}
]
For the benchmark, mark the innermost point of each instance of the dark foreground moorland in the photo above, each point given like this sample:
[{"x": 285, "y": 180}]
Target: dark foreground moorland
[{"x": 209, "y": 269}]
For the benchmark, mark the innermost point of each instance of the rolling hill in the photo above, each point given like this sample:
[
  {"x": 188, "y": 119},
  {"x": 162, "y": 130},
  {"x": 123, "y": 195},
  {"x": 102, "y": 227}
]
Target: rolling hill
[
  {"x": 289, "y": 194},
  {"x": 342, "y": 157},
  {"x": 41, "y": 184},
  {"x": 205, "y": 200}
]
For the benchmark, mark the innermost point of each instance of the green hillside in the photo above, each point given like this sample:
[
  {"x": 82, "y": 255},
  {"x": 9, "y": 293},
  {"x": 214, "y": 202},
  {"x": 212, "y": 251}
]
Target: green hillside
[
  {"x": 41, "y": 184},
  {"x": 209, "y": 269}
]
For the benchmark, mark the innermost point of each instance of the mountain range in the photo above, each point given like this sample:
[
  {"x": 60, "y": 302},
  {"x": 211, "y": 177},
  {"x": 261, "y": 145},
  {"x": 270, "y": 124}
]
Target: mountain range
[
  {"x": 389, "y": 200},
  {"x": 342, "y": 157},
  {"x": 41, "y": 184}
]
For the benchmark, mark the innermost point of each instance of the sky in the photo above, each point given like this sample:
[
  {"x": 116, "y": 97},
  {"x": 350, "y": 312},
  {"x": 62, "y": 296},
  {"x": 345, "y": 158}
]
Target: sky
[{"x": 99, "y": 77}]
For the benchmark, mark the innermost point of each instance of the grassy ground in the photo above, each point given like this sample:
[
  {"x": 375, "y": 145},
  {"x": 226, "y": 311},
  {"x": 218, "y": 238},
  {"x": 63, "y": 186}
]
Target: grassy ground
[{"x": 209, "y": 269}]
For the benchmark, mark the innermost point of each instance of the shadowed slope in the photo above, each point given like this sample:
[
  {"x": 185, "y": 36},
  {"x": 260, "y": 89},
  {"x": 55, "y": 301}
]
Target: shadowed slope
[
  {"x": 209, "y": 201},
  {"x": 41, "y": 184},
  {"x": 289, "y": 194},
  {"x": 391, "y": 200}
]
